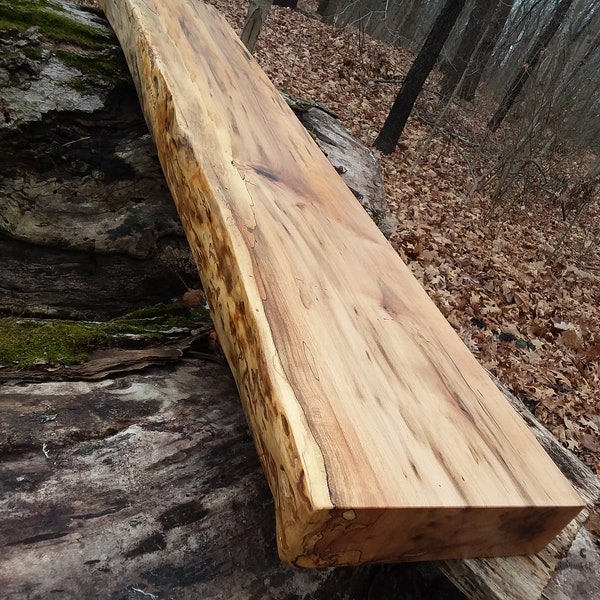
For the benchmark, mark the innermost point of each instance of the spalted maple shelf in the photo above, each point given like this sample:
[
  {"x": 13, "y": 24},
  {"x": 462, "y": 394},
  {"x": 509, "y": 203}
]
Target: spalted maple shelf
[{"x": 381, "y": 436}]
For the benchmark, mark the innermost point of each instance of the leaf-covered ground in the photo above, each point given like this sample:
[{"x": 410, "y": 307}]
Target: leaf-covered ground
[{"x": 520, "y": 287}]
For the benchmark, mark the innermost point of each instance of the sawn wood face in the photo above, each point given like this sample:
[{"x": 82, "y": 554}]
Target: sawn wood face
[{"x": 381, "y": 436}]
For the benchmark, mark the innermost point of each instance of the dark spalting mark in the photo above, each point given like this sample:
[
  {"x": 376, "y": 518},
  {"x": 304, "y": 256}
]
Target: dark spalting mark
[
  {"x": 240, "y": 306},
  {"x": 153, "y": 543},
  {"x": 358, "y": 392},
  {"x": 302, "y": 489},
  {"x": 491, "y": 436},
  {"x": 458, "y": 485},
  {"x": 286, "y": 427},
  {"x": 34, "y": 539},
  {"x": 266, "y": 174},
  {"x": 517, "y": 483},
  {"x": 385, "y": 356},
  {"x": 183, "y": 514},
  {"x": 462, "y": 407},
  {"x": 415, "y": 470}
]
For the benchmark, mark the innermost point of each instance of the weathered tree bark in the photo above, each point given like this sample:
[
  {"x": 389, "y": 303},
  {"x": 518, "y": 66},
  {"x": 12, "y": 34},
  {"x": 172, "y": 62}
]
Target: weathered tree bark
[
  {"x": 394, "y": 124},
  {"x": 87, "y": 226},
  {"x": 327, "y": 9},
  {"x": 484, "y": 50},
  {"x": 257, "y": 15}
]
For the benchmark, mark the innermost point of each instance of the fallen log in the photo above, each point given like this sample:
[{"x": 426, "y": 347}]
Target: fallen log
[
  {"x": 87, "y": 226},
  {"x": 381, "y": 436}
]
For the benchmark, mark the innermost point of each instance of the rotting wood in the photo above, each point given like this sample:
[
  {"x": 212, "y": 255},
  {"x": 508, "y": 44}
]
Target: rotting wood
[
  {"x": 381, "y": 436},
  {"x": 194, "y": 431},
  {"x": 87, "y": 226}
]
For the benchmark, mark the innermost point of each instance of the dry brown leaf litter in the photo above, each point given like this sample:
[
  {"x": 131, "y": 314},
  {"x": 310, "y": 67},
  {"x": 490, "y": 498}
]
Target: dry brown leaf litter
[{"x": 533, "y": 324}]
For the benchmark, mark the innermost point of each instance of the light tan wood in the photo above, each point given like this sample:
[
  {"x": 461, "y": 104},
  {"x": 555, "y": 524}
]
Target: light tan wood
[{"x": 381, "y": 436}]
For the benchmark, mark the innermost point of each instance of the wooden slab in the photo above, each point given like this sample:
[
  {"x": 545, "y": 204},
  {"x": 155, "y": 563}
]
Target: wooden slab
[{"x": 381, "y": 436}]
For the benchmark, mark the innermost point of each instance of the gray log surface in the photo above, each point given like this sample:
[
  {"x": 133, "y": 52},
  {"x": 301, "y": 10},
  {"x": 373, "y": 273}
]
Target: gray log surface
[{"x": 87, "y": 225}]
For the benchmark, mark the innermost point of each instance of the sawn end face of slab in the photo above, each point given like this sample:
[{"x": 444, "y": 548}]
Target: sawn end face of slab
[{"x": 381, "y": 436}]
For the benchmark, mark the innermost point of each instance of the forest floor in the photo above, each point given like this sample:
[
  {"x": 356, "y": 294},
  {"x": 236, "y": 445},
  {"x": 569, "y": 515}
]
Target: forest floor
[{"x": 517, "y": 278}]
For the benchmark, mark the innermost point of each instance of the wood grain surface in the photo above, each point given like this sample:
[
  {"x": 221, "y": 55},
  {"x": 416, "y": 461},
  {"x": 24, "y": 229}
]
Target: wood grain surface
[{"x": 381, "y": 436}]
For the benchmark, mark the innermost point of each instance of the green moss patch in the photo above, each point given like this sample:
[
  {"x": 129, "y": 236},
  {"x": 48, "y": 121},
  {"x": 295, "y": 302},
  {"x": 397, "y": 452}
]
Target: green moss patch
[
  {"x": 46, "y": 15},
  {"x": 94, "y": 63},
  {"x": 26, "y": 343},
  {"x": 96, "y": 66}
]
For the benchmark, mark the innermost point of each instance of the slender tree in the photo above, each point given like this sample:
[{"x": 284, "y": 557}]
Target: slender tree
[
  {"x": 484, "y": 50},
  {"x": 394, "y": 125},
  {"x": 531, "y": 62},
  {"x": 468, "y": 42},
  {"x": 256, "y": 16}
]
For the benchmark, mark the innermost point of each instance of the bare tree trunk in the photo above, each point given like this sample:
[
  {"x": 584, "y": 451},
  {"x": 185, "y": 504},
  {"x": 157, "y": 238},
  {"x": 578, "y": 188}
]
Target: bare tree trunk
[
  {"x": 468, "y": 43},
  {"x": 394, "y": 125},
  {"x": 484, "y": 50},
  {"x": 530, "y": 64},
  {"x": 257, "y": 15},
  {"x": 328, "y": 9}
]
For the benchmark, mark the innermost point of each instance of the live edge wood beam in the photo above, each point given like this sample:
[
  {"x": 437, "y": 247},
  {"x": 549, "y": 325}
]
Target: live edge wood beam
[{"x": 381, "y": 436}]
